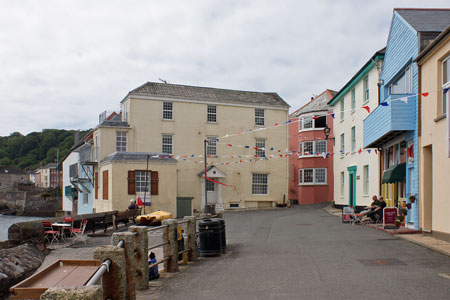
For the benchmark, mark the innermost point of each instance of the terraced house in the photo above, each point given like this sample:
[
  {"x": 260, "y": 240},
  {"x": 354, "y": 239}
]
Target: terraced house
[
  {"x": 356, "y": 169},
  {"x": 162, "y": 128},
  {"x": 392, "y": 127}
]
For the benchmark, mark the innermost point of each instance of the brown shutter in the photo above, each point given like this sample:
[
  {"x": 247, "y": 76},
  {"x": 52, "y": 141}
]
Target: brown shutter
[
  {"x": 131, "y": 182},
  {"x": 154, "y": 183},
  {"x": 105, "y": 185},
  {"x": 96, "y": 185}
]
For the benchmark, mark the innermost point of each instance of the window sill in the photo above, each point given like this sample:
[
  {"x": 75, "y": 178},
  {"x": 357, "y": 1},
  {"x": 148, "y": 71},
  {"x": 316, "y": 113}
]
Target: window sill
[
  {"x": 342, "y": 120},
  {"x": 365, "y": 195},
  {"x": 312, "y": 129},
  {"x": 207, "y": 122},
  {"x": 167, "y": 120},
  {"x": 311, "y": 184},
  {"x": 441, "y": 117}
]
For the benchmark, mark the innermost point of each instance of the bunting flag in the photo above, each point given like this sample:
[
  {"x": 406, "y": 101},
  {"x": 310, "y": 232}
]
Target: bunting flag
[
  {"x": 359, "y": 151},
  {"x": 212, "y": 180},
  {"x": 376, "y": 151},
  {"x": 369, "y": 151},
  {"x": 425, "y": 94},
  {"x": 405, "y": 99},
  {"x": 366, "y": 108},
  {"x": 445, "y": 90},
  {"x": 139, "y": 202},
  {"x": 384, "y": 104},
  {"x": 332, "y": 115}
]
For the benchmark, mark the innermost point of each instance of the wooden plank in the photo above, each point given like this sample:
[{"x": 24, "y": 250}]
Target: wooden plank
[
  {"x": 27, "y": 293},
  {"x": 78, "y": 277}
]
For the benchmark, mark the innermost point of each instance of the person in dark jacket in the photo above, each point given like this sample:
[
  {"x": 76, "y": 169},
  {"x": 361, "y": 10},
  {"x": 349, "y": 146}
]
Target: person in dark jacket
[
  {"x": 132, "y": 204},
  {"x": 153, "y": 271}
]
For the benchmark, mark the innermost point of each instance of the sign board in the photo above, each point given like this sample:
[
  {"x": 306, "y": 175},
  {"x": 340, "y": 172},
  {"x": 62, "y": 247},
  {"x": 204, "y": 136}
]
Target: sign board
[
  {"x": 389, "y": 215},
  {"x": 347, "y": 213}
]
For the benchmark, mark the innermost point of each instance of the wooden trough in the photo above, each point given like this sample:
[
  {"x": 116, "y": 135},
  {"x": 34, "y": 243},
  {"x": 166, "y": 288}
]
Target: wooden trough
[{"x": 63, "y": 273}]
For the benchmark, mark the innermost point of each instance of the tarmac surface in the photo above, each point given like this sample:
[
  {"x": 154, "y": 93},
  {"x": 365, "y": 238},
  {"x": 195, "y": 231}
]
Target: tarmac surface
[{"x": 306, "y": 253}]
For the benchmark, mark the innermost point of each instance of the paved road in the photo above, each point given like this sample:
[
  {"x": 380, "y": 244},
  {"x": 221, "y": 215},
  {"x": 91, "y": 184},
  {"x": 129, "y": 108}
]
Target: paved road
[{"x": 305, "y": 253}]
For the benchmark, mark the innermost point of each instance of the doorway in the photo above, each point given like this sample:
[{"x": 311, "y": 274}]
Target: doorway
[
  {"x": 184, "y": 206},
  {"x": 427, "y": 188},
  {"x": 352, "y": 186}
]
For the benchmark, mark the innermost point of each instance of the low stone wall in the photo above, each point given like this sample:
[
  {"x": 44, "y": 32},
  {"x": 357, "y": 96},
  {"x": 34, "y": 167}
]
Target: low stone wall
[
  {"x": 16, "y": 264},
  {"x": 29, "y": 203}
]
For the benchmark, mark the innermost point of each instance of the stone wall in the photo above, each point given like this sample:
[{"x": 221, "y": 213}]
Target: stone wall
[
  {"x": 16, "y": 264},
  {"x": 29, "y": 203}
]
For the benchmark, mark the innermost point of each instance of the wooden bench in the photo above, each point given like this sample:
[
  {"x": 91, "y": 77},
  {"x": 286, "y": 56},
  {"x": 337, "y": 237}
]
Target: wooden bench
[
  {"x": 104, "y": 221},
  {"x": 127, "y": 216}
]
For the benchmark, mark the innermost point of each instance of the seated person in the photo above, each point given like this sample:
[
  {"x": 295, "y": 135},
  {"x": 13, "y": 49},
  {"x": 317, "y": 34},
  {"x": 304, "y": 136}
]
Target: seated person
[
  {"x": 370, "y": 208},
  {"x": 378, "y": 211},
  {"x": 132, "y": 204},
  {"x": 153, "y": 271}
]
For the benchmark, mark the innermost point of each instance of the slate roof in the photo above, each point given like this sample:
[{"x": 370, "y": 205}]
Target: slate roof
[
  {"x": 138, "y": 156},
  {"x": 185, "y": 92},
  {"x": 11, "y": 170},
  {"x": 319, "y": 103},
  {"x": 426, "y": 20},
  {"x": 115, "y": 121}
]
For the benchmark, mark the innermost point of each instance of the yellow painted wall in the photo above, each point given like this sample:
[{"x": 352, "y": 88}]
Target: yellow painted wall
[{"x": 434, "y": 134}]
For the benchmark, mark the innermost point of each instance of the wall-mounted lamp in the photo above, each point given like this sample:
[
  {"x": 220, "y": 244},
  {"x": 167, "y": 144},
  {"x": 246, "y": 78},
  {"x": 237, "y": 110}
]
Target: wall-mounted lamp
[{"x": 326, "y": 132}]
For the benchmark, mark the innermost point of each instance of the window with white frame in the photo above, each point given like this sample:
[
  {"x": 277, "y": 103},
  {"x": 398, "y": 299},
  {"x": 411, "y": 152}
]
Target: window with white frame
[
  {"x": 259, "y": 184},
  {"x": 260, "y": 145},
  {"x": 121, "y": 141},
  {"x": 342, "y": 183},
  {"x": 141, "y": 185},
  {"x": 366, "y": 89},
  {"x": 342, "y": 107},
  {"x": 260, "y": 117},
  {"x": 312, "y": 176},
  {"x": 366, "y": 179},
  {"x": 211, "y": 116},
  {"x": 353, "y": 139},
  {"x": 312, "y": 122},
  {"x": 211, "y": 145},
  {"x": 401, "y": 85},
  {"x": 167, "y": 141},
  {"x": 210, "y": 186},
  {"x": 342, "y": 144},
  {"x": 306, "y": 148},
  {"x": 353, "y": 100},
  {"x": 167, "y": 112},
  {"x": 321, "y": 147}
]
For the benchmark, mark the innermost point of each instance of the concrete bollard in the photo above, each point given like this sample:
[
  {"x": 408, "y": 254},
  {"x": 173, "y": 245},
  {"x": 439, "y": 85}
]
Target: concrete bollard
[
  {"x": 191, "y": 243},
  {"x": 171, "y": 249},
  {"x": 141, "y": 256},
  {"x": 77, "y": 293},
  {"x": 114, "y": 282},
  {"x": 129, "y": 246}
]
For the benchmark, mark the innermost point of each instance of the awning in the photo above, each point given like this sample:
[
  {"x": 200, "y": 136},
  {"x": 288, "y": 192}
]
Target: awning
[{"x": 394, "y": 174}]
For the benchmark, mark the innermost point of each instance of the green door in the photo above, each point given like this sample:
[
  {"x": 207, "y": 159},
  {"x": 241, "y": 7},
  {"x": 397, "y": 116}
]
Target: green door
[
  {"x": 184, "y": 206},
  {"x": 352, "y": 186}
]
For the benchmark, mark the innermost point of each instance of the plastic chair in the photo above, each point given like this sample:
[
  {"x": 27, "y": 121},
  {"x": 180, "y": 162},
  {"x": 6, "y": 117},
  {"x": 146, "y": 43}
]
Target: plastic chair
[
  {"x": 78, "y": 232},
  {"x": 50, "y": 232}
]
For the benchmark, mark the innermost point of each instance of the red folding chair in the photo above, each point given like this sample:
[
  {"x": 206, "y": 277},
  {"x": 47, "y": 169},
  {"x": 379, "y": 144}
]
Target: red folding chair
[
  {"x": 68, "y": 221},
  {"x": 78, "y": 232},
  {"x": 50, "y": 232}
]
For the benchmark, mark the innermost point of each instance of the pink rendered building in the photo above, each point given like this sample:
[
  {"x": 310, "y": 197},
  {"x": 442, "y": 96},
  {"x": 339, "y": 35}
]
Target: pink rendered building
[{"x": 311, "y": 163}]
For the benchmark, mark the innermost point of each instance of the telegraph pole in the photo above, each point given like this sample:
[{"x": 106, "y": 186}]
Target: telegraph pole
[{"x": 206, "y": 191}]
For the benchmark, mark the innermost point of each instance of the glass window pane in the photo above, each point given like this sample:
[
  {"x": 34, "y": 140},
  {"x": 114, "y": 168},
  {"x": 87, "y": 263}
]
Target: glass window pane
[
  {"x": 321, "y": 147},
  {"x": 308, "y": 175},
  {"x": 320, "y": 175}
]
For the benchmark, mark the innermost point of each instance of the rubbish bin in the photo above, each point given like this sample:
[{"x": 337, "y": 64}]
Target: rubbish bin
[
  {"x": 210, "y": 237},
  {"x": 223, "y": 236}
]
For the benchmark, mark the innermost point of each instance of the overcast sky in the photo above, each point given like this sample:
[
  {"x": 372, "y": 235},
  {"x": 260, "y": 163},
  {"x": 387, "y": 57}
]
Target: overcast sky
[{"x": 64, "y": 62}]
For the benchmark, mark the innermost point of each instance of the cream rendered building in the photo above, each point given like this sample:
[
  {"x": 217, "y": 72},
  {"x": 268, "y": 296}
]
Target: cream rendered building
[
  {"x": 168, "y": 124},
  {"x": 356, "y": 170},
  {"x": 434, "y": 137}
]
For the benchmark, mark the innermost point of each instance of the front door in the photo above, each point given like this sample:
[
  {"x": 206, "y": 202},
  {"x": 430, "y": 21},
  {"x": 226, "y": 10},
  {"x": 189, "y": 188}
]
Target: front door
[
  {"x": 211, "y": 189},
  {"x": 352, "y": 186},
  {"x": 184, "y": 206}
]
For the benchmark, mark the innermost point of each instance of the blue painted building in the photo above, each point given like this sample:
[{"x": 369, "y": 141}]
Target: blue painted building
[{"x": 393, "y": 126}]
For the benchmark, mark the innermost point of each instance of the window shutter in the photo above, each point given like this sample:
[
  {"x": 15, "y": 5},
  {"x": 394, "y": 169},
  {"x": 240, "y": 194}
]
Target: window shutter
[
  {"x": 131, "y": 182},
  {"x": 96, "y": 185},
  {"x": 154, "y": 182},
  {"x": 105, "y": 185}
]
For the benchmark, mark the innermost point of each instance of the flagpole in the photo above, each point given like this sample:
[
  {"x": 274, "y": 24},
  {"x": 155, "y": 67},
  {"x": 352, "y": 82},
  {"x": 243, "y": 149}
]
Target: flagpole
[{"x": 146, "y": 174}]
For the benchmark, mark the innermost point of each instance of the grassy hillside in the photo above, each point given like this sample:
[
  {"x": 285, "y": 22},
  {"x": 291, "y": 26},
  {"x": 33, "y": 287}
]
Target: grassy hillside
[{"x": 27, "y": 151}]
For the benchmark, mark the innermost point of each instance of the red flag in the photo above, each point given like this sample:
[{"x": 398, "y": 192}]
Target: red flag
[
  {"x": 359, "y": 151},
  {"x": 281, "y": 155},
  {"x": 366, "y": 108},
  {"x": 139, "y": 202},
  {"x": 376, "y": 151},
  {"x": 315, "y": 118},
  {"x": 229, "y": 145},
  {"x": 425, "y": 94},
  {"x": 276, "y": 124}
]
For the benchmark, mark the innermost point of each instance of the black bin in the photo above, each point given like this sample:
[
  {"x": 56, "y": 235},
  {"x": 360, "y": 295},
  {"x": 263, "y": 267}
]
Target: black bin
[
  {"x": 210, "y": 237},
  {"x": 223, "y": 236}
]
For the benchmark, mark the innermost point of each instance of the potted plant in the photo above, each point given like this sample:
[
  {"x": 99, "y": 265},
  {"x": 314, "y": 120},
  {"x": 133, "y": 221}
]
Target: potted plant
[
  {"x": 397, "y": 223},
  {"x": 408, "y": 205},
  {"x": 412, "y": 199},
  {"x": 404, "y": 211},
  {"x": 401, "y": 218}
]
